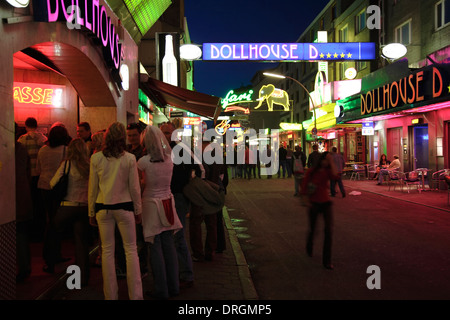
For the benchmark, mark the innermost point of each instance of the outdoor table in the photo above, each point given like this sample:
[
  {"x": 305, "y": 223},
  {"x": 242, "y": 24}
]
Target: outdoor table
[{"x": 423, "y": 171}]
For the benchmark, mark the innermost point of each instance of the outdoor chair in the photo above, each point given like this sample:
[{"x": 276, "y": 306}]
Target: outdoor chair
[
  {"x": 412, "y": 178},
  {"x": 437, "y": 178},
  {"x": 447, "y": 179},
  {"x": 396, "y": 178},
  {"x": 371, "y": 171},
  {"x": 357, "y": 170}
]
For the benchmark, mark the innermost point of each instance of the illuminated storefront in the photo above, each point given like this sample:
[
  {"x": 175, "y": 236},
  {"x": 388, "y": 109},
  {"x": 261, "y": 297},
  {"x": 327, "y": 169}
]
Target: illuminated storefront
[
  {"x": 325, "y": 109},
  {"x": 408, "y": 115}
]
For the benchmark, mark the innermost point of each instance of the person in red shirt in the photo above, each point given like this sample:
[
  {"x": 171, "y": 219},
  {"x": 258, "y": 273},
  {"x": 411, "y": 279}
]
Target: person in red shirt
[{"x": 315, "y": 192}]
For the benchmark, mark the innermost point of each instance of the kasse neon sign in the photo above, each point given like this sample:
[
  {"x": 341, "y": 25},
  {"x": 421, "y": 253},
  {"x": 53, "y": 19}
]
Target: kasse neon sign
[
  {"x": 289, "y": 51},
  {"x": 38, "y": 95}
]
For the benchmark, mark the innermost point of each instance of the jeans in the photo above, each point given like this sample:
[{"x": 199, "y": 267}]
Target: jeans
[
  {"x": 107, "y": 220},
  {"x": 289, "y": 165},
  {"x": 383, "y": 172},
  {"x": 183, "y": 252},
  {"x": 195, "y": 232},
  {"x": 164, "y": 262},
  {"x": 297, "y": 184},
  {"x": 314, "y": 211},
  {"x": 333, "y": 187},
  {"x": 282, "y": 165}
]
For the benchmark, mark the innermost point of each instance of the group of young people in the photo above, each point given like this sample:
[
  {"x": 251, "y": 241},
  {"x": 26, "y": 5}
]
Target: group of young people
[{"x": 133, "y": 194}]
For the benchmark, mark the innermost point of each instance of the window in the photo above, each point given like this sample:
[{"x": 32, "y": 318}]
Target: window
[
  {"x": 403, "y": 33},
  {"x": 360, "y": 65},
  {"x": 333, "y": 12},
  {"x": 442, "y": 13},
  {"x": 360, "y": 23},
  {"x": 343, "y": 34}
]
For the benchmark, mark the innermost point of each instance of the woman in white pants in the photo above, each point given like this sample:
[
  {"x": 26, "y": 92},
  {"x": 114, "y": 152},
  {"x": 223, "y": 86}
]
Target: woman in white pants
[{"x": 115, "y": 198}]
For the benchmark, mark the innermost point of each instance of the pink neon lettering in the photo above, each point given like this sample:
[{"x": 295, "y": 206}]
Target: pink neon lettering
[
  {"x": 52, "y": 16},
  {"x": 88, "y": 24},
  {"x": 103, "y": 31}
]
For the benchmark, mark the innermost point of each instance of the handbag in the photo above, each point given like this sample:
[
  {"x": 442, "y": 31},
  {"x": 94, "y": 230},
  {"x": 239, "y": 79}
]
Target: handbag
[{"x": 60, "y": 189}]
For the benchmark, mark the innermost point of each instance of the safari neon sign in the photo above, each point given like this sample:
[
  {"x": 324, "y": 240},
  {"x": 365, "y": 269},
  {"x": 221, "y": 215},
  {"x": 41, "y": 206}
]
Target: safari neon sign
[
  {"x": 38, "y": 95},
  {"x": 232, "y": 98},
  {"x": 289, "y": 51}
]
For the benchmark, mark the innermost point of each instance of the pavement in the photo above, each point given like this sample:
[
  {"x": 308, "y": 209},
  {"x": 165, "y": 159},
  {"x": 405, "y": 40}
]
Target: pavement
[{"x": 227, "y": 277}]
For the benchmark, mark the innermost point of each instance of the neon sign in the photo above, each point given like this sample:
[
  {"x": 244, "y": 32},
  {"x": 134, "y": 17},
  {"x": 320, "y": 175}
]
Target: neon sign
[
  {"x": 222, "y": 127},
  {"x": 89, "y": 14},
  {"x": 290, "y": 126},
  {"x": 236, "y": 108},
  {"x": 232, "y": 98},
  {"x": 37, "y": 95},
  {"x": 289, "y": 51},
  {"x": 273, "y": 96},
  {"x": 419, "y": 86}
]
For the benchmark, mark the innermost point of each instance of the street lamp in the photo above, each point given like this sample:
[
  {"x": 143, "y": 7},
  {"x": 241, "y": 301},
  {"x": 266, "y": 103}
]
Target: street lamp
[
  {"x": 393, "y": 51},
  {"x": 279, "y": 76}
]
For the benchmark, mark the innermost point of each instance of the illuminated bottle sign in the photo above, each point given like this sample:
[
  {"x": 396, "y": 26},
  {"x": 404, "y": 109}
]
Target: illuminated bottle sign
[
  {"x": 289, "y": 51},
  {"x": 89, "y": 14},
  {"x": 36, "y": 95}
]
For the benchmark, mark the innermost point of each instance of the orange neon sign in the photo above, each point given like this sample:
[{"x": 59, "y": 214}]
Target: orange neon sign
[
  {"x": 37, "y": 95},
  {"x": 236, "y": 108}
]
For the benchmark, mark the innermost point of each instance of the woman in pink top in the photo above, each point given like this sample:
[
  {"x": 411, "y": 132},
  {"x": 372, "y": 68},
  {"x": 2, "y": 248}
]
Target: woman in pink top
[{"x": 159, "y": 216}]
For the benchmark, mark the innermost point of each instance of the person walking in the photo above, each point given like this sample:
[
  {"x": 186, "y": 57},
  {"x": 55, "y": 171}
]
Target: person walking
[
  {"x": 340, "y": 165},
  {"x": 73, "y": 210},
  {"x": 33, "y": 141},
  {"x": 299, "y": 172},
  {"x": 49, "y": 158},
  {"x": 316, "y": 198},
  {"x": 313, "y": 157},
  {"x": 114, "y": 198},
  {"x": 159, "y": 217},
  {"x": 289, "y": 161},
  {"x": 180, "y": 178},
  {"x": 282, "y": 153}
]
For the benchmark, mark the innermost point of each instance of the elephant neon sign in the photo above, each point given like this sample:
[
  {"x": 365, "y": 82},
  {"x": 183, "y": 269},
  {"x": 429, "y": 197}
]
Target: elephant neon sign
[{"x": 271, "y": 96}]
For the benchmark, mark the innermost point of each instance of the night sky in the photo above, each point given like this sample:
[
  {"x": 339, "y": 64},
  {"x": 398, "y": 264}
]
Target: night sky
[{"x": 243, "y": 21}]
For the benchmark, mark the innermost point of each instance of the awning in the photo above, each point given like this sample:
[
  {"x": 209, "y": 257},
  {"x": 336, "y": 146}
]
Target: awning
[{"x": 192, "y": 101}]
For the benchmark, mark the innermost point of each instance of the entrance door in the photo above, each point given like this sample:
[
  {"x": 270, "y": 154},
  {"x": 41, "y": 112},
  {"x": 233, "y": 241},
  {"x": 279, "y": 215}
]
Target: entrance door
[
  {"x": 421, "y": 147},
  {"x": 394, "y": 143}
]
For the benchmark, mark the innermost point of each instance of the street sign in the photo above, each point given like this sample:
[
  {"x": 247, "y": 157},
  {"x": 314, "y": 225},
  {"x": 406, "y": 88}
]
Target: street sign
[
  {"x": 314, "y": 131},
  {"x": 336, "y": 51}
]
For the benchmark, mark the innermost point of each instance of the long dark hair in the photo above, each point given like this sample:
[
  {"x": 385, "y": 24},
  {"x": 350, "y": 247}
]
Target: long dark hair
[{"x": 115, "y": 140}]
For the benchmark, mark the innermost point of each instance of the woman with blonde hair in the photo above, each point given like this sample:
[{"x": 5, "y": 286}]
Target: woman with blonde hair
[
  {"x": 97, "y": 141},
  {"x": 159, "y": 217},
  {"x": 115, "y": 199},
  {"x": 74, "y": 207}
]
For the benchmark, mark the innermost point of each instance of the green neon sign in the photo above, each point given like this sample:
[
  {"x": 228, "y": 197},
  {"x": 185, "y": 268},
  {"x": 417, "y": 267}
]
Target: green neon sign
[{"x": 232, "y": 98}]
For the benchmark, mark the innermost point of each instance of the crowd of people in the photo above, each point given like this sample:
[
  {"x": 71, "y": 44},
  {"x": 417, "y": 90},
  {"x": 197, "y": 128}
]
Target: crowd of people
[
  {"x": 132, "y": 202},
  {"x": 130, "y": 199}
]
